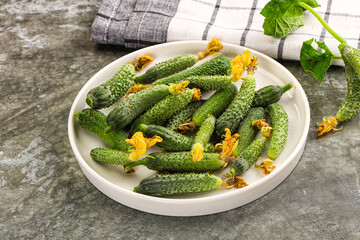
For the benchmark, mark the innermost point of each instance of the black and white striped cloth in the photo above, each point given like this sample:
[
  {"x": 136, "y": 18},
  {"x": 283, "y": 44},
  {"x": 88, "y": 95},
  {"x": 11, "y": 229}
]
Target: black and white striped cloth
[{"x": 140, "y": 23}]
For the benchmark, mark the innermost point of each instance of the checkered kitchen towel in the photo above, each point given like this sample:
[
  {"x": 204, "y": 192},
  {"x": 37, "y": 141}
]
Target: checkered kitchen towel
[{"x": 140, "y": 23}]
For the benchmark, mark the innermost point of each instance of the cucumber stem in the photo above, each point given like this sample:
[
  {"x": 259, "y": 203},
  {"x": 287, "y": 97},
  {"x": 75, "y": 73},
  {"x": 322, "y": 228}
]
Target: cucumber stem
[
  {"x": 143, "y": 128},
  {"x": 322, "y": 21},
  {"x": 76, "y": 115},
  {"x": 286, "y": 88},
  {"x": 90, "y": 101},
  {"x": 133, "y": 164},
  {"x": 139, "y": 79},
  {"x": 266, "y": 165}
]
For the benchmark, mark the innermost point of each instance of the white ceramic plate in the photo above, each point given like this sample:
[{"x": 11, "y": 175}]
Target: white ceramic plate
[{"x": 115, "y": 183}]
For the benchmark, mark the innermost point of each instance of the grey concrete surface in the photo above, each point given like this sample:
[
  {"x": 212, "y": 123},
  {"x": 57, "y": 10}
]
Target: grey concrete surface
[{"x": 46, "y": 57}]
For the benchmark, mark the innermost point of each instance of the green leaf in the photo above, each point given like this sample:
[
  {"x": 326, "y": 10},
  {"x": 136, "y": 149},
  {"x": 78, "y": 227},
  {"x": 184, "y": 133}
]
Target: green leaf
[
  {"x": 283, "y": 16},
  {"x": 315, "y": 61}
]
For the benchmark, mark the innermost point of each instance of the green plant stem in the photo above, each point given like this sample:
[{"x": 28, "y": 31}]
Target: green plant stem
[{"x": 322, "y": 21}]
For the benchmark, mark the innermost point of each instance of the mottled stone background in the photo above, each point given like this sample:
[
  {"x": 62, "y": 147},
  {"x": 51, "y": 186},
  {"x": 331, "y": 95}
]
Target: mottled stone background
[{"x": 46, "y": 57}]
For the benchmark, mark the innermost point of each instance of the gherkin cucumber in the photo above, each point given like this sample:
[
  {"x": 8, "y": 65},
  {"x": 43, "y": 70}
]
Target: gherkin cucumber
[
  {"x": 209, "y": 83},
  {"x": 112, "y": 90},
  {"x": 242, "y": 163},
  {"x": 167, "y": 68},
  {"x": 163, "y": 110},
  {"x": 178, "y": 162},
  {"x": 184, "y": 115},
  {"x": 94, "y": 121},
  {"x": 135, "y": 105},
  {"x": 351, "y": 104},
  {"x": 247, "y": 131},
  {"x": 238, "y": 108},
  {"x": 215, "y": 105},
  {"x": 269, "y": 94},
  {"x": 279, "y": 132},
  {"x": 220, "y": 65},
  {"x": 170, "y": 184},
  {"x": 202, "y": 137},
  {"x": 171, "y": 140},
  {"x": 110, "y": 156}
]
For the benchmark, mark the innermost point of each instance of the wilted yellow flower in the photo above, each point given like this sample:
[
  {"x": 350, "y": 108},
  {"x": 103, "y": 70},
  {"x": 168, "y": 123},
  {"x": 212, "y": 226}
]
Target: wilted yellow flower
[
  {"x": 197, "y": 152},
  {"x": 229, "y": 143},
  {"x": 141, "y": 144}
]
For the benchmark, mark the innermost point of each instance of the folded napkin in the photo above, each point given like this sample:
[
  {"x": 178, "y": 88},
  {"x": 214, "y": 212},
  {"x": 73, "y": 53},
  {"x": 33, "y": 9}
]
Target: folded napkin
[{"x": 141, "y": 23}]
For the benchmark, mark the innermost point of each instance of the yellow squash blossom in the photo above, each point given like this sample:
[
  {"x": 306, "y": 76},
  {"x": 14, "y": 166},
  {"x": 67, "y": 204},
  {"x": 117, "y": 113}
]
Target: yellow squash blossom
[
  {"x": 197, "y": 152},
  {"x": 229, "y": 143},
  {"x": 212, "y": 47},
  {"x": 141, "y": 62},
  {"x": 141, "y": 144}
]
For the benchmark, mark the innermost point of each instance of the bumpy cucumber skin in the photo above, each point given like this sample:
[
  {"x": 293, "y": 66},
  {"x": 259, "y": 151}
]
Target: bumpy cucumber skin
[
  {"x": 165, "y": 109},
  {"x": 220, "y": 65},
  {"x": 351, "y": 56},
  {"x": 351, "y": 104},
  {"x": 179, "y": 162},
  {"x": 215, "y": 105},
  {"x": 112, "y": 90},
  {"x": 167, "y": 68},
  {"x": 205, "y": 131},
  {"x": 209, "y": 83},
  {"x": 247, "y": 131},
  {"x": 279, "y": 132},
  {"x": 110, "y": 156},
  {"x": 135, "y": 105},
  {"x": 94, "y": 121},
  {"x": 238, "y": 108},
  {"x": 184, "y": 115},
  {"x": 171, "y": 140},
  {"x": 170, "y": 184},
  {"x": 242, "y": 163},
  {"x": 269, "y": 94}
]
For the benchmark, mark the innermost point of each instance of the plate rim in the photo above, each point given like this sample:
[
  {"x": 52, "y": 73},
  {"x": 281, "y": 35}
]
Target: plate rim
[{"x": 84, "y": 166}]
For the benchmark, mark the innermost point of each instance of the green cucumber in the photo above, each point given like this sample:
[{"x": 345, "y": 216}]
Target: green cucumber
[
  {"x": 165, "y": 109},
  {"x": 280, "y": 124},
  {"x": 214, "y": 106},
  {"x": 178, "y": 162},
  {"x": 167, "y": 68},
  {"x": 111, "y": 91},
  {"x": 351, "y": 103},
  {"x": 94, "y": 121},
  {"x": 184, "y": 115},
  {"x": 220, "y": 65},
  {"x": 202, "y": 137},
  {"x": 110, "y": 156},
  {"x": 269, "y": 94},
  {"x": 178, "y": 63},
  {"x": 242, "y": 163},
  {"x": 238, "y": 108},
  {"x": 205, "y": 131},
  {"x": 171, "y": 140},
  {"x": 170, "y": 184},
  {"x": 247, "y": 131},
  {"x": 136, "y": 104},
  {"x": 209, "y": 83}
]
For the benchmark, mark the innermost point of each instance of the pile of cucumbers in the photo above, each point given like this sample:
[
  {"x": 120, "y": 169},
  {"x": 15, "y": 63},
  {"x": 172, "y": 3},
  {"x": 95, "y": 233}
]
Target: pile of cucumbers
[{"x": 192, "y": 130}]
